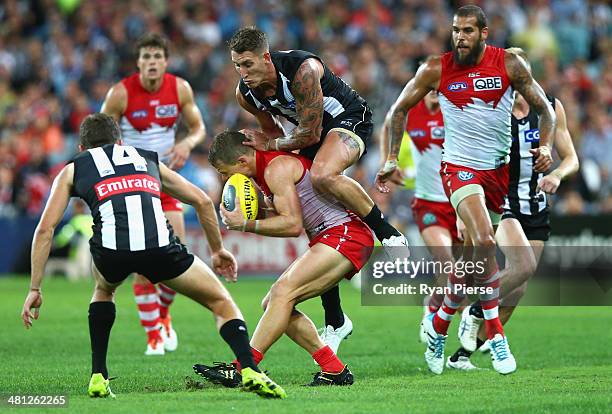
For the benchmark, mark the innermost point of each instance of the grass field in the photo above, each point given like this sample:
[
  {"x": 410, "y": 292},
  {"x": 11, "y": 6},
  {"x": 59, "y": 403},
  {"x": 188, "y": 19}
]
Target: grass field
[{"x": 564, "y": 360}]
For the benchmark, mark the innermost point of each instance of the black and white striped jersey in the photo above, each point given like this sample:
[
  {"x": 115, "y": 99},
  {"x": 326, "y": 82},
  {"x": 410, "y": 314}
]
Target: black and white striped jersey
[
  {"x": 121, "y": 185},
  {"x": 339, "y": 99},
  {"x": 523, "y": 197}
]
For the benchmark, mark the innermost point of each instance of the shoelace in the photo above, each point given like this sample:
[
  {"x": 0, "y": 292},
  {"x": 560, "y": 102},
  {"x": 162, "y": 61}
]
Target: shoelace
[
  {"x": 500, "y": 349},
  {"x": 438, "y": 345},
  {"x": 223, "y": 366}
]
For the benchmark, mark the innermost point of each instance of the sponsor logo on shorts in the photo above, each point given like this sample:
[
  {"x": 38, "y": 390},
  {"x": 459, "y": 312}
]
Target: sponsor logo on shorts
[
  {"x": 465, "y": 175},
  {"x": 429, "y": 219},
  {"x": 128, "y": 184},
  {"x": 457, "y": 86},
  {"x": 532, "y": 135},
  {"x": 487, "y": 84},
  {"x": 141, "y": 113},
  {"x": 166, "y": 111}
]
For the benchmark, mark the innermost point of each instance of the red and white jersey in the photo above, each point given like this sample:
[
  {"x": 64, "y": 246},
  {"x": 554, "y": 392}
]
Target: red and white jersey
[
  {"x": 477, "y": 103},
  {"x": 426, "y": 131},
  {"x": 319, "y": 212},
  {"x": 149, "y": 119}
]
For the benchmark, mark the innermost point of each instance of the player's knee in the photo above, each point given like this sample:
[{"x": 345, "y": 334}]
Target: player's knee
[
  {"x": 486, "y": 240},
  {"x": 104, "y": 292},
  {"x": 322, "y": 181},
  {"x": 281, "y": 291}
]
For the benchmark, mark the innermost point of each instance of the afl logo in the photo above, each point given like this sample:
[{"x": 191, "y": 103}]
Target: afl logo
[
  {"x": 417, "y": 133},
  {"x": 465, "y": 175},
  {"x": 457, "y": 86},
  {"x": 141, "y": 113},
  {"x": 166, "y": 111}
]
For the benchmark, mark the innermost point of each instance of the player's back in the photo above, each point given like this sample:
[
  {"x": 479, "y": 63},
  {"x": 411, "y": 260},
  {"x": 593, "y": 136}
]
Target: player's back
[
  {"x": 319, "y": 212},
  {"x": 149, "y": 119},
  {"x": 121, "y": 185},
  {"x": 476, "y": 102}
]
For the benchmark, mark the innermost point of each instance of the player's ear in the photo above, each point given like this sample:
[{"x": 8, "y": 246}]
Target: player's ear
[
  {"x": 242, "y": 160},
  {"x": 267, "y": 57},
  {"x": 81, "y": 148},
  {"x": 484, "y": 33}
]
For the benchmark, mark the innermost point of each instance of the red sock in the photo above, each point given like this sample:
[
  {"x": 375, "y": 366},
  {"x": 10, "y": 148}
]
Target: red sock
[
  {"x": 166, "y": 297},
  {"x": 328, "y": 361},
  {"x": 440, "y": 325},
  {"x": 257, "y": 357},
  {"x": 148, "y": 309}
]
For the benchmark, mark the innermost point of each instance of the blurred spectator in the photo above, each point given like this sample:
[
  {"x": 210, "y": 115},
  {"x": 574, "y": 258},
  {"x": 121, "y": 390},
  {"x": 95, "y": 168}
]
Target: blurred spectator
[{"x": 59, "y": 58}]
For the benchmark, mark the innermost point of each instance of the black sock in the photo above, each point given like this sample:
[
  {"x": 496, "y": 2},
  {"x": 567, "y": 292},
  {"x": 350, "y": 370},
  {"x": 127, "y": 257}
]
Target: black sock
[
  {"x": 333, "y": 310},
  {"x": 476, "y": 310},
  {"x": 460, "y": 352},
  {"x": 377, "y": 222},
  {"x": 235, "y": 333},
  {"x": 101, "y": 319},
  {"x": 479, "y": 343}
]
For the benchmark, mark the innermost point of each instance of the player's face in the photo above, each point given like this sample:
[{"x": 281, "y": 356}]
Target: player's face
[
  {"x": 241, "y": 167},
  {"x": 251, "y": 66},
  {"x": 152, "y": 62},
  {"x": 468, "y": 40}
]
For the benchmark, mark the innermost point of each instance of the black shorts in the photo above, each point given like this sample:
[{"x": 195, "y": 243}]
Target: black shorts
[
  {"x": 536, "y": 227},
  {"x": 358, "y": 122},
  {"x": 157, "y": 265}
]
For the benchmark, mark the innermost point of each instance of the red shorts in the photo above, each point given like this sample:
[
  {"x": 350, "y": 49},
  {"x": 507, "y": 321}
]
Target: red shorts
[
  {"x": 493, "y": 182},
  {"x": 170, "y": 203},
  {"x": 353, "y": 240},
  {"x": 435, "y": 213}
]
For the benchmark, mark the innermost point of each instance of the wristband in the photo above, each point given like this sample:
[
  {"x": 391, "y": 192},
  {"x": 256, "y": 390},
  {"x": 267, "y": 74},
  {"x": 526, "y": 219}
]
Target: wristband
[
  {"x": 35, "y": 289},
  {"x": 276, "y": 144},
  {"x": 256, "y": 226},
  {"x": 244, "y": 225}
]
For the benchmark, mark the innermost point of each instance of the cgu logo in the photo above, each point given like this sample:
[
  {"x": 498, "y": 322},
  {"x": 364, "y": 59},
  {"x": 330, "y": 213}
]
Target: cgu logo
[
  {"x": 457, "y": 86},
  {"x": 487, "y": 84},
  {"x": 532, "y": 135}
]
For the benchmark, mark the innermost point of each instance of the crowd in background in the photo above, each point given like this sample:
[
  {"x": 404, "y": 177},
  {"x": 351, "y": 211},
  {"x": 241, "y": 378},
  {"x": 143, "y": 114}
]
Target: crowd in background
[{"x": 58, "y": 58}]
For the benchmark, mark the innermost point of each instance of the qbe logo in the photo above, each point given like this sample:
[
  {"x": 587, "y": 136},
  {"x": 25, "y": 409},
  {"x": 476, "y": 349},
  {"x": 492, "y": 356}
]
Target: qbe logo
[
  {"x": 487, "y": 84},
  {"x": 166, "y": 111},
  {"x": 457, "y": 86},
  {"x": 532, "y": 135}
]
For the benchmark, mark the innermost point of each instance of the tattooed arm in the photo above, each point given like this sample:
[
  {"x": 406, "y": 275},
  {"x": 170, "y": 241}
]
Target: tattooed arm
[
  {"x": 306, "y": 88},
  {"x": 523, "y": 82},
  {"x": 426, "y": 79}
]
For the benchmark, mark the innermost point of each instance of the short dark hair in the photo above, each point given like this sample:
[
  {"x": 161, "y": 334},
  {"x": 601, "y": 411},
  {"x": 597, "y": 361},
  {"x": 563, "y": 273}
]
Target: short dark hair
[
  {"x": 151, "y": 40},
  {"x": 248, "y": 39},
  {"x": 227, "y": 147},
  {"x": 471, "y": 10},
  {"x": 97, "y": 130}
]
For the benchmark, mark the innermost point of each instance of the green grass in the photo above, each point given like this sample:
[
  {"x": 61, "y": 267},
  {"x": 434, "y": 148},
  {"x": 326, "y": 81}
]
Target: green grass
[{"x": 564, "y": 357}]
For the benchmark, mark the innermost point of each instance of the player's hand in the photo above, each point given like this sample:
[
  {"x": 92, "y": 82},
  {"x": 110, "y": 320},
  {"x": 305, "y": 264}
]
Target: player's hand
[
  {"x": 233, "y": 220},
  {"x": 31, "y": 307},
  {"x": 256, "y": 139},
  {"x": 178, "y": 155},
  {"x": 543, "y": 158},
  {"x": 549, "y": 183},
  {"x": 389, "y": 172},
  {"x": 224, "y": 263}
]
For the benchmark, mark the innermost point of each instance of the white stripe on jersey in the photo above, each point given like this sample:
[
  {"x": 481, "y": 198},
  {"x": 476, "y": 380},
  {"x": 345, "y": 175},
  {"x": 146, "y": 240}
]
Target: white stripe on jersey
[
  {"x": 107, "y": 215},
  {"x": 103, "y": 164},
  {"x": 332, "y": 106},
  {"x": 156, "y": 138},
  {"x": 133, "y": 206},
  {"x": 163, "y": 235},
  {"x": 478, "y": 134},
  {"x": 428, "y": 184}
]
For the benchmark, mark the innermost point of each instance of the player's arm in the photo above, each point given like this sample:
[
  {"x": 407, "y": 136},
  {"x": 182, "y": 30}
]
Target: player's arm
[
  {"x": 195, "y": 125},
  {"x": 180, "y": 188},
  {"x": 565, "y": 148},
  {"x": 174, "y": 184},
  {"x": 306, "y": 88},
  {"x": 115, "y": 102},
  {"x": 269, "y": 124},
  {"x": 425, "y": 80},
  {"x": 280, "y": 175},
  {"x": 43, "y": 238},
  {"x": 523, "y": 82}
]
